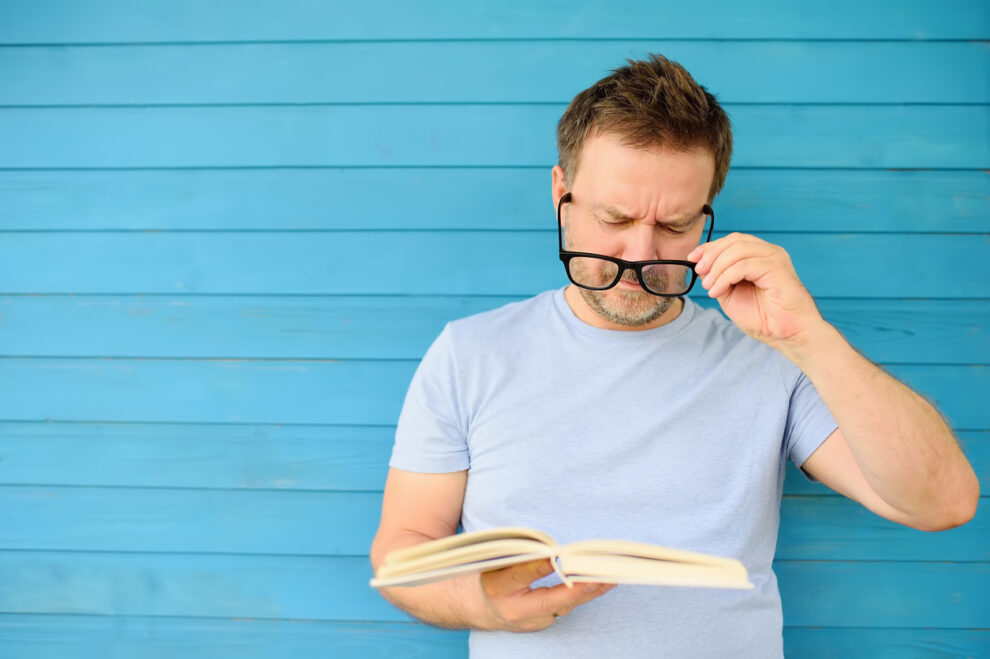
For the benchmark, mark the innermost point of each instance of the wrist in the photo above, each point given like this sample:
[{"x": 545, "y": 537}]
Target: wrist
[{"x": 817, "y": 344}]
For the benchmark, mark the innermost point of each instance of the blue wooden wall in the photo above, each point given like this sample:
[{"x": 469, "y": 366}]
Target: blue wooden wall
[{"x": 221, "y": 225}]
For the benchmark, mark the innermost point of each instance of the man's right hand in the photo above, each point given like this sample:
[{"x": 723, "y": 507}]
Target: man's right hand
[{"x": 515, "y": 606}]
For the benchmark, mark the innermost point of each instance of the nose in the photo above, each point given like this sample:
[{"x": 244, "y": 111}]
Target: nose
[{"x": 639, "y": 243}]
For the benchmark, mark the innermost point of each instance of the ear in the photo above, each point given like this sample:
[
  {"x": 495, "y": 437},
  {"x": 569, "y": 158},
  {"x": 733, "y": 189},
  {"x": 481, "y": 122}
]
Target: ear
[{"x": 558, "y": 187}]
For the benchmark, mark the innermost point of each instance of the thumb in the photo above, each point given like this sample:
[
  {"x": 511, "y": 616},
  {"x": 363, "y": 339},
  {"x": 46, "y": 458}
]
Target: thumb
[{"x": 510, "y": 580}]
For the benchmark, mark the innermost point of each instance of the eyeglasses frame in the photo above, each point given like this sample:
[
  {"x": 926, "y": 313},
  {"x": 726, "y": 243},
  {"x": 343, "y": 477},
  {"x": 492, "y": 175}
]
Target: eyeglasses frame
[{"x": 635, "y": 266}]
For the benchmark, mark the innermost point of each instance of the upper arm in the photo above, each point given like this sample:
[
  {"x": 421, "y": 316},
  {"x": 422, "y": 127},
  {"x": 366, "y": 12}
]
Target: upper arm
[
  {"x": 834, "y": 465},
  {"x": 418, "y": 507}
]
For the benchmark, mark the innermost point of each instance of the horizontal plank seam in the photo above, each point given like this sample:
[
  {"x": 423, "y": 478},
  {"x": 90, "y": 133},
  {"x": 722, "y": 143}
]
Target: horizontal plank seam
[
  {"x": 401, "y": 623},
  {"x": 485, "y": 40},
  {"x": 434, "y": 296},
  {"x": 352, "y": 360},
  {"x": 248, "y": 424},
  {"x": 293, "y": 490},
  {"x": 561, "y": 103},
  {"x": 492, "y": 230},
  {"x": 407, "y": 296},
  {"x": 125, "y": 552},
  {"x": 230, "y": 168}
]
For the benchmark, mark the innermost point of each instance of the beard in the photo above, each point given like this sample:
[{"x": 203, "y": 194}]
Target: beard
[{"x": 627, "y": 307}]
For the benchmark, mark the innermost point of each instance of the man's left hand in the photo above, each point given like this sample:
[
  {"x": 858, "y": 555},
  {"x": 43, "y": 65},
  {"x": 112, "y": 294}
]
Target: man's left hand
[{"x": 758, "y": 289}]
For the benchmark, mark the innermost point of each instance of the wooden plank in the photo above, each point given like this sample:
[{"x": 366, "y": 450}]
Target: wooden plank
[
  {"x": 897, "y": 594},
  {"x": 857, "y": 136},
  {"x": 865, "y": 595},
  {"x": 272, "y": 522},
  {"x": 448, "y": 198},
  {"x": 194, "y": 585},
  {"x": 336, "y": 458},
  {"x": 119, "y": 637},
  {"x": 487, "y": 72},
  {"x": 307, "y": 392},
  {"x": 63, "y": 21},
  {"x": 395, "y": 327},
  {"x": 125, "y": 637},
  {"x": 342, "y": 458},
  {"x": 225, "y": 391},
  {"x": 837, "y": 528},
  {"x": 884, "y": 643},
  {"x": 406, "y": 263}
]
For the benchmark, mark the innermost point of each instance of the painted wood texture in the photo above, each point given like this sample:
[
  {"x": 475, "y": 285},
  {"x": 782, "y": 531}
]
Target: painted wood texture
[
  {"x": 873, "y": 136},
  {"x": 826, "y": 593},
  {"x": 119, "y": 637},
  {"x": 64, "y": 21},
  {"x": 324, "y": 199},
  {"x": 485, "y": 71},
  {"x": 399, "y": 327},
  {"x": 306, "y": 391},
  {"x": 473, "y": 263},
  {"x": 245, "y": 457},
  {"x": 305, "y": 523},
  {"x": 198, "y": 392}
]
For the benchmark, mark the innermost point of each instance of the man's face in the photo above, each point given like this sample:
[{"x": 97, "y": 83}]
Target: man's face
[{"x": 634, "y": 204}]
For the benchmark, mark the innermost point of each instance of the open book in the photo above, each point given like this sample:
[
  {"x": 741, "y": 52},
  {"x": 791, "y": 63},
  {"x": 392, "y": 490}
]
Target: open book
[{"x": 603, "y": 561}]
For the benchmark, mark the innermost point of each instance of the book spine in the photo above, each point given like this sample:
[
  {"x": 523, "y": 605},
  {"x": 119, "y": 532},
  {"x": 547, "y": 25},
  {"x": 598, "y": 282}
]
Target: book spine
[{"x": 555, "y": 562}]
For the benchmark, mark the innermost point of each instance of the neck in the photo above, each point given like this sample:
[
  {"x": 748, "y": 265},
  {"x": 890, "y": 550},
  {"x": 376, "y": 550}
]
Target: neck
[{"x": 588, "y": 315}]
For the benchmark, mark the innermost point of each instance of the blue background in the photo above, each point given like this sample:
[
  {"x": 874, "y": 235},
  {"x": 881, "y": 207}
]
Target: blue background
[{"x": 229, "y": 230}]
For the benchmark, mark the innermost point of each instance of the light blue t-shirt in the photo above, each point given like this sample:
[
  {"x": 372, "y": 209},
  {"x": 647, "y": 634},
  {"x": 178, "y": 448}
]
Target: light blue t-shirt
[{"x": 677, "y": 436}]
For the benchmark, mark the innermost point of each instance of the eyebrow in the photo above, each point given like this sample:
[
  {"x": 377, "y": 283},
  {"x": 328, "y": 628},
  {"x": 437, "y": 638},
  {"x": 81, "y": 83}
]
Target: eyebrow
[{"x": 615, "y": 213}]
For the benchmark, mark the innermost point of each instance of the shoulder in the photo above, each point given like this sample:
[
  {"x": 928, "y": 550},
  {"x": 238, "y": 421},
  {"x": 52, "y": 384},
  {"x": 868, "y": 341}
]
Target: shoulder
[
  {"x": 503, "y": 323},
  {"x": 719, "y": 339}
]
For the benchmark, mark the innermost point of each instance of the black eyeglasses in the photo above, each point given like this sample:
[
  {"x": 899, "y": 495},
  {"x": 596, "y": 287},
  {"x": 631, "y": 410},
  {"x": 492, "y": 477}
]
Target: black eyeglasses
[{"x": 664, "y": 277}]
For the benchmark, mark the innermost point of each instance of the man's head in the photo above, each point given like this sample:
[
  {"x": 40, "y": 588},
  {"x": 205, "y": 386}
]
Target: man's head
[
  {"x": 647, "y": 103},
  {"x": 641, "y": 151}
]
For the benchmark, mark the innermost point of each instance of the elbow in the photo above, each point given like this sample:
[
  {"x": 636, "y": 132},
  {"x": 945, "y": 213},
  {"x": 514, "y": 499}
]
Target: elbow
[
  {"x": 377, "y": 552},
  {"x": 959, "y": 511}
]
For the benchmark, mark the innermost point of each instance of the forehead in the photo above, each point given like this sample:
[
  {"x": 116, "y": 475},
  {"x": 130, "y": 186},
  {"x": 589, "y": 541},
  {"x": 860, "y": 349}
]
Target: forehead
[{"x": 643, "y": 181}]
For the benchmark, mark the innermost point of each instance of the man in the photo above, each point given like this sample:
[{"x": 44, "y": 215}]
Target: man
[{"x": 619, "y": 408}]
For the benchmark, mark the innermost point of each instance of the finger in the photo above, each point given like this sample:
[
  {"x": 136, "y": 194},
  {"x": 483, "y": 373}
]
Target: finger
[
  {"x": 731, "y": 255},
  {"x": 588, "y": 595},
  {"x": 753, "y": 270},
  {"x": 708, "y": 253},
  {"x": 561, "y": 599},
  {"x": 512, "y": 579}
]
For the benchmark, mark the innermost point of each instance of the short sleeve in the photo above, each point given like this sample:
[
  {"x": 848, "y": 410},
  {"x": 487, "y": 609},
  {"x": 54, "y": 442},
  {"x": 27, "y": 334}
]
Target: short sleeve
[
  {"x": 431, "y": 436},
  {"x": 809, "y": 423}
]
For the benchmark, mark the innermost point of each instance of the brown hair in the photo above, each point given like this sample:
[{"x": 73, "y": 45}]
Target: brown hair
[{"x": 648, "y": 103}]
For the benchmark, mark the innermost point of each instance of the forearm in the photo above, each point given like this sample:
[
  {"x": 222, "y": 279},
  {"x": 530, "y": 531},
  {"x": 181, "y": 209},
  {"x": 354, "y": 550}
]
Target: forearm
[
  {"x": 453, "y": 603},
  {"x": 901, "y": 444}
]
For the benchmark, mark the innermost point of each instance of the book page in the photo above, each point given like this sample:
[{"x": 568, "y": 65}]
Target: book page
[
  {"x": 633, "y": 570},
  {"x": 644, "y": 550},
  {"x": 464, "y": 539},
  {"x": 383, "y": 579},
  {"x": 466, "y": 555}
]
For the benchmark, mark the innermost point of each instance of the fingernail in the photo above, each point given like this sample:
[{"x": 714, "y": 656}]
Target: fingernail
[
  {"x": 591, "y": 588},
  {"x": 546, "y": 568}
]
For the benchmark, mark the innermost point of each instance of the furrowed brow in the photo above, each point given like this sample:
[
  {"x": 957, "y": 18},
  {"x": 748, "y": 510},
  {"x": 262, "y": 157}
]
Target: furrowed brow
[
  {"x": 613, "y": 212},
  {"x": 617, "y": 214}
]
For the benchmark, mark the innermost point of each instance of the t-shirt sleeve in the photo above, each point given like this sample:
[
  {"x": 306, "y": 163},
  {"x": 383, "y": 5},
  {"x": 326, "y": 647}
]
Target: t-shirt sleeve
[
  {"x": 809, "y": 423},
  {"x": 431, "y": 436}
]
